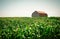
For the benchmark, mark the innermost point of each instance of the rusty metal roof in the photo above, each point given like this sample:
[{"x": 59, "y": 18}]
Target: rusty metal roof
[{"x": 41, "y": 13}]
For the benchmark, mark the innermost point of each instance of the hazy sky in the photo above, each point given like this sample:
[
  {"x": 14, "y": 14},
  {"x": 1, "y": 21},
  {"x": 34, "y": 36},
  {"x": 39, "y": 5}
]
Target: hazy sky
[{"x": 25, "y": 8}]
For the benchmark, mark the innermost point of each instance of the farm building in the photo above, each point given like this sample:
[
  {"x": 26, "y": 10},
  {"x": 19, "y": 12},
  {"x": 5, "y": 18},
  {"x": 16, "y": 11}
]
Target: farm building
[{"x": 39, "y": 14}]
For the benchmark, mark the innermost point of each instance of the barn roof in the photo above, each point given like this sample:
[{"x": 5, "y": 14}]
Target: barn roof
[{"x": 41, "y": 13}]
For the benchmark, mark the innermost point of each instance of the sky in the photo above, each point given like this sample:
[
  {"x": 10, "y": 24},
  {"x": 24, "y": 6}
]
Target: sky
[{"x": 25, "y": 8}]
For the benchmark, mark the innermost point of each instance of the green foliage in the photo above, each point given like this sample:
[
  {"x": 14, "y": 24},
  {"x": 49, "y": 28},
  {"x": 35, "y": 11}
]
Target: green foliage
[{"x": 30, "y": 28}]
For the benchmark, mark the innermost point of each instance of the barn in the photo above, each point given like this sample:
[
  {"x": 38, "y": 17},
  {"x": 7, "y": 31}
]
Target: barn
[{"x": 39, "y": 14}]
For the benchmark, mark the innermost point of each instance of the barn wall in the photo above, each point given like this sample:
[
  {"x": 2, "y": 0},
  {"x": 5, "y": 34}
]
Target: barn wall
[{"x": 35, "y": 14}]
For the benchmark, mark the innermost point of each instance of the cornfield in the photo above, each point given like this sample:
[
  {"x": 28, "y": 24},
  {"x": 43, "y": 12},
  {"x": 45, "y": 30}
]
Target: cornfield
[{"x": 29, "y": 28}]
